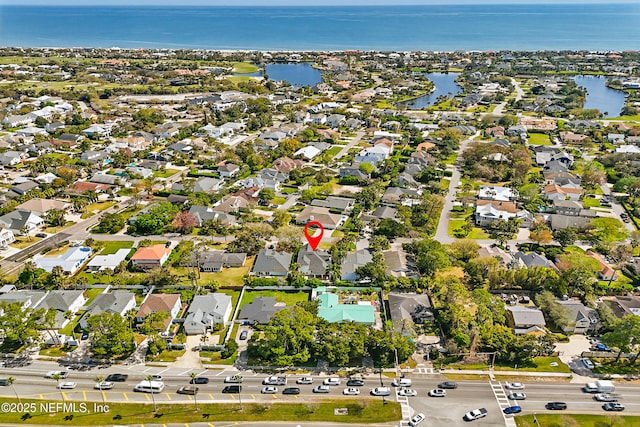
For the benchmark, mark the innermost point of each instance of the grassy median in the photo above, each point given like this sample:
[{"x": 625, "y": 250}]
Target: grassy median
[
  {"x": 92, "y": 413},
  {"x": 577, "y": 420}
]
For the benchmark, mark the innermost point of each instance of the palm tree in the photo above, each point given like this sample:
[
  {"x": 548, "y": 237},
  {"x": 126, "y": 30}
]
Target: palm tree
[
  {"x": 153, "y": 398},
  {"x": 57, "y": 377},
  {"x": 10, "y": 381},
  {"x": 99, "y": 380},
  {"x": 193, "y": 376}
]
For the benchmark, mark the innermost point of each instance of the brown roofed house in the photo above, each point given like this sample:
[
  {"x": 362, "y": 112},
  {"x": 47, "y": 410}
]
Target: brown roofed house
[{"x": 168, "y": 303}]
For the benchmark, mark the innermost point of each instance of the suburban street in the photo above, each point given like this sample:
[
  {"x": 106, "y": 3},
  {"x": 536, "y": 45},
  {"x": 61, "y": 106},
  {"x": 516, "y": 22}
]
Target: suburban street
[{"x": 446, "y": 411}]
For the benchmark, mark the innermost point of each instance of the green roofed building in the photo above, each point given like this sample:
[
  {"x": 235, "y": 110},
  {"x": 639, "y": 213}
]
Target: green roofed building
[{"x": 330, "y": 310}]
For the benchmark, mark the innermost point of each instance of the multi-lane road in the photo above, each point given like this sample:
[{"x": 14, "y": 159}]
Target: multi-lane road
[{"x": 444, "y": 411}]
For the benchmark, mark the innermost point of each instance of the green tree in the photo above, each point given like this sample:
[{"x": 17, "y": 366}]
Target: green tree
[
  {"x": 431, "y": 256},
  {"x": 193, "y": 377},
  {"x": 55, "y": 218},
  {"x": 390, "y": 228},
  {"x": 110, "y": 223},
  {"x": 606, "y": 231},
  {"x": 565, "y": 236},
  {"x": 111, "y": 335},
  {"x": 266, "y": 195},
  {"x": 559, "y": 315},
  {"x": 10, "y": 381},
  {"x": 625, "y": 335},
  {"x": 99, "y": 379},
  {"x": 149, "y": 378}
]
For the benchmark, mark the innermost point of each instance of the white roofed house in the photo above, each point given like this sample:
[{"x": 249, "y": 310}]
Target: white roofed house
[
  {"x": 206, "y": 311},
  {"x": 110, "y": 261}
]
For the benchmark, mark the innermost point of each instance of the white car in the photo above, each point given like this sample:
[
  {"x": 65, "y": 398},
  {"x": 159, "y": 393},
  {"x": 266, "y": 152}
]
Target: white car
[
  {"x": 351, "y": 391},
  {"x": 156, "y": 377},
  {"x": 514, "y": 386},
  {"x": 269, "y": 390},
  {"x": 331, "y": 381},
  {"x": 104, "y": 385},
  {"x": 416, "y": 420},
  {"x": 587, "y": 363},
  {"x": 304, "y": 380},
  {"x": 61, "y": 374},
  {"x": 437, "y": 392},
  {"x": 517, "y": 396},
  {"x": 67, "y": 385},
  {"x": 236, "y": 379},
  {"x": 605, "y": 397},
  {"x": 401, "y": 382},
  {"x": 381, "y": 391},
  {"x": 407, "y": 392},
  {"x": 321, "y": 389},
  {"x": 476, "y": 414}
]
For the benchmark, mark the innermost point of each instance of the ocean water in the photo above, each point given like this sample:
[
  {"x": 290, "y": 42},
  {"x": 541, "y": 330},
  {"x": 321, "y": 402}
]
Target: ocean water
[{"x": 433, "y": 27}]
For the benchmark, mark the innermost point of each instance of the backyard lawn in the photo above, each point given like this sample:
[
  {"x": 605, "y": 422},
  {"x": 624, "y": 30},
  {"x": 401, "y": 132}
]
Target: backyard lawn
[
  {"x": 165, "y": 173},
  {"x": 229, "y": 276},
  {"x": 539, "y": 139},
  {"x": 289, "y": 298},
  {"x": 111, "y": 247},
  {"x": 23, "y": 242}
]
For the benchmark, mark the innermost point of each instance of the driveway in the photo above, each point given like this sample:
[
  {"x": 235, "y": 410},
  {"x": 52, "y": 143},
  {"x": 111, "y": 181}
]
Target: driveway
[{"x": 570, "y": 353}]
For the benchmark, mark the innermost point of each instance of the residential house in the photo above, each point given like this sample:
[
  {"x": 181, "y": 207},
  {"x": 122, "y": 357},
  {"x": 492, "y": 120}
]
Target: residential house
[
  {"x": 70, "y": 261},
  {"x": 207, "y": 185},
  {"x": 97, "y": 131},
  {"x": 110, "y": 261},
  {"x": 572, "y": 138},
  {"x": 11, "y": 158},
  {"x": 586, "y": 319},
  {"x": 352, "y": 261},
  {"x": 328, "y": 220},
  {"x": 355, "y": 172},
  {"x": 567, "y": 207},
  {"x": 560, "y": 222},
  {"x": 95, "y": 157},
  {"x": 62, "y": 301},
  {"x": 6, "y": 237},
  {"x": 488, "y": 211},
  {"x": 27, "y": 299},
  {"x": 530, "y": 260},
  {"x": 313, "y": 263},
  {"x": 568, "y": 192},
  {"x": 627, "y": 305},
  {"x": 606, "y": 272},
  {"x": 20, "y": 221},
  {"x": 168, "y": 303},
  {"x": 342, "y": 204},
  {"x": 270, "y": 263},
  {"x": 396, "y": 264},
  {"x": 335, "y": 120},
  {"x": 495, "y": 252},
  {"x": 206, "y": 311},
  {"x": 286, "y": 165},
  {"x": 231, "y": 204},
  {"x": 115, "y": 302},
  {"x": 228, "y": 170},
  {"x": 503, "y": 194},
  {"x": 260, "y": 310},
  {"x": 149, "y": 257},
  {"x": 215, "y": 261},
  {"x": 409, "y": 309},
  {"x": 330, "y": 309},
  {"x": 525, "y": 320},
  {"x": 41, "y": 207}
]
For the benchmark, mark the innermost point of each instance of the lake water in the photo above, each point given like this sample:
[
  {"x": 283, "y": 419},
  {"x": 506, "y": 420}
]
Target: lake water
[
  {"x": 609, "y": 101},
  {"x": 445, "y": 86},
  {"x": 297, "y": 74}
]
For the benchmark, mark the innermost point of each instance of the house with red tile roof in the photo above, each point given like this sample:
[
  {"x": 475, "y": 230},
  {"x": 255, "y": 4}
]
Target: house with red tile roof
[{"x": 149, "y": 257}]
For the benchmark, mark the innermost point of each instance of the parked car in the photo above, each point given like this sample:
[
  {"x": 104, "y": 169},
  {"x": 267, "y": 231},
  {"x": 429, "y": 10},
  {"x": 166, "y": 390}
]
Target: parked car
[
  {"x": 68, "y": 385},
  {"x": 291, "y": 390},
  {"x": 605, "y": 397},
  {"x": 61, "y": 374},
  {"x": 517, "y": 396},
  {"x": 514, "y": 386},
  {"x": 199, "y": 380},
  {"x": 351, "y": 391},
  {"x": 417, "y": 419},
  {"x": 587, "y": 363},
  {"x": 190, "y": 390},
  {"x": 269, "y": 390},
  {"x": 408, "y": 392},
  {"x": 84, "y": 336},
  {"x": 437, "y": 392},
  {"x": 613, "y": 406},
  {"x": 381, "y": 391},
  {"x": 556, "y": 406},
  {"x": 512, "y": 410},
  {"x": 331, "y": 381},
  {"x": 355, "y": 383},
  {"x": 118, "y": 378},
  {"x": 448, "y": 385},
  {"x": 304, "y": 380},
  {"x": 601, "y": 347},
  {"x": 243, "y": 335},
  {"x": 321, "y": 389},
  {"x": 476, "y": 414},
  {"x": 104, "y": 385}
]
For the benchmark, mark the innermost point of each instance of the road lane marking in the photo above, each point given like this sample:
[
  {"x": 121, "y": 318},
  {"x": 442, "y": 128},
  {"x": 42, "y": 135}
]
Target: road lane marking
[
  {"x": 168, "y": 396},
  {"x": 84, "y": 395},
  {"x": 274, "y": 396},
  {"x": 147, "y": 396},
  {"x": 125, "y": 396},
  {"x": 104, "y": 396},
  {"x": 211, "y": 425},
  {"x": 203, "y": 372},
  {"x": 211, "y": 396},
  {"x": 64, "y": 395},
  {"x": 233, "y": 396},
  {"x": 163, "y": 371},
  {"x": 253, "y": 396},
  {"x": 185, "y": 372}
]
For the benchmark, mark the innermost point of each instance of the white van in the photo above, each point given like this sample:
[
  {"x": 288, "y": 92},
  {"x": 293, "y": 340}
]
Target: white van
[
  {"x": 149, "y": 386},
  {"x": 401, "y": 382}
]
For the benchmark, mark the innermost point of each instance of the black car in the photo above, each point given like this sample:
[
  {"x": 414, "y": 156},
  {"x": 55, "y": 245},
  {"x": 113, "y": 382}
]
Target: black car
[
  {"x": 355, "y": 383},
  {"x": 199, "y": 380},
  {"x": 291, "y": 390},
  {"x": 448, "y": 385},
  {"x": 84, "y": 335},
  {"x": 232, "y": 389},
  {"x": 118, "y": 378},
  {"x": 41, "y": 235},
  {"x": 556, "y": 406}
]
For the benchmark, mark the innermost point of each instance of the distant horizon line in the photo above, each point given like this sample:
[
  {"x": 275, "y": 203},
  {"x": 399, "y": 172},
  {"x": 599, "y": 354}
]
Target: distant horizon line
[{"x": 359, "y": 5}]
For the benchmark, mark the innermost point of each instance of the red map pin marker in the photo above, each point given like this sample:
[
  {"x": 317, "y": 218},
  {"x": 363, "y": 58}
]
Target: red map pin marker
[{"x": 314, "y": 241}]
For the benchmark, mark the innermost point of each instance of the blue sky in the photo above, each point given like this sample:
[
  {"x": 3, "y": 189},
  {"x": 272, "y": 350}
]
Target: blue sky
[{"x": 289, "y": 2}]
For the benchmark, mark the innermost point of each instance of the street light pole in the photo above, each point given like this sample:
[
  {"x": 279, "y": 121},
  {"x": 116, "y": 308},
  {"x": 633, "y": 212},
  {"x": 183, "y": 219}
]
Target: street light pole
[{"x": 240, "y": 391}]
